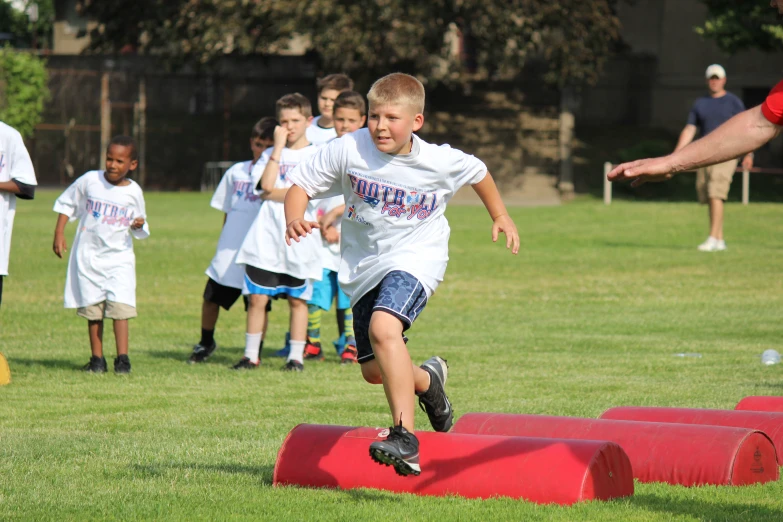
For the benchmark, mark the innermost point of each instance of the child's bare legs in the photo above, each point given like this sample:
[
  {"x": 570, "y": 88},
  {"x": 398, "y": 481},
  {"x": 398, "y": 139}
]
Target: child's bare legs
[
  {"x": 256, "y": 326},
  {"x": 400, "y": 378},
  {"x": 209, "y": 315},
  {"x": 95, "y": 328},
  {"x": 372, "y": 374},
  {"x": 120, "y": 335},
  {"x": 298, "y": 329}
]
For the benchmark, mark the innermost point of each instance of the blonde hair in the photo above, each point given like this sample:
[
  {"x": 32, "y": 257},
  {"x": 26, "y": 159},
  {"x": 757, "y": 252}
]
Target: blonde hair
[
  {"x": 294, "y": 101},
  {"x": 397, "y": 89}
]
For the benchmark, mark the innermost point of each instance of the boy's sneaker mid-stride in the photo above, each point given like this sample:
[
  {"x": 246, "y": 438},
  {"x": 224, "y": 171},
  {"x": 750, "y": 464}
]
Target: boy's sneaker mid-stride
[
  {"x": 201, "y": 353},
  {"x": 122, "y": 364},
  {"x": 246, "y": 364},
  {"x": 96, "y": 365},
  {"x": 434, "y": 400},
  {"x": 400, "y": 450}
]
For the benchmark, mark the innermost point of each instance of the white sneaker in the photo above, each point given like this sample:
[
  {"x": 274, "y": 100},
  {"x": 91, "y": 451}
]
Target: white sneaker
[
  {"x": 720, "y": 246},
  {"x": 711, "y": 245}
]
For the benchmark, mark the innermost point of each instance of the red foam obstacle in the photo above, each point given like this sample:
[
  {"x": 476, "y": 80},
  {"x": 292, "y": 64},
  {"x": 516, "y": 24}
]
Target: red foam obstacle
[
  {"x": 769, "y": 423},
  {"x": 472, "y": 466},
  {"x": 760, "y": 403},
  {"x": 659, "y": 452}
]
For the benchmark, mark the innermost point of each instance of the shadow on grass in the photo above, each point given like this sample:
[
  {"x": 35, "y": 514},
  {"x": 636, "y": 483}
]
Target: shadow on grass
[
  {"x": 264, "y": 473},
  {"x": 223, "y": 355},
  {"x": 701, "y": 510},
  {"x": 63, "y": 364}
]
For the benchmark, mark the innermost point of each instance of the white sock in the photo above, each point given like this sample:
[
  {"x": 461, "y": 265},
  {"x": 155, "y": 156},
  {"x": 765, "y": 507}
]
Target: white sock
[
  {"x": 252, "y": 344},
  {"x": 297, "y": 351}
]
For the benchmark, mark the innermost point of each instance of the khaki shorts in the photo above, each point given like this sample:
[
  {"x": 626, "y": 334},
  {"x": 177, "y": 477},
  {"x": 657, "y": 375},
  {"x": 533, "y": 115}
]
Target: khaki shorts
[
  {"x": 714, "y": 182},
  {"x": 108, "y": 310}
]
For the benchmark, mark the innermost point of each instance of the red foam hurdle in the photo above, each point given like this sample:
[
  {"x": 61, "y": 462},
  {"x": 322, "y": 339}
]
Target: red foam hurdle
[
  {"x": 760, "y": 403},
  {"x": 659, "y": 452},
  {"x": 472, "y": 466},
  {"x": 769, "y": 423}
]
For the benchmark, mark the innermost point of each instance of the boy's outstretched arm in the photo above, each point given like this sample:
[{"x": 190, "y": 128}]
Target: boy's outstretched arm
[
  {"x": 501, "y": 221},
  {"x": 295, "y": 205},
  {"x": 59, "y": 245}
]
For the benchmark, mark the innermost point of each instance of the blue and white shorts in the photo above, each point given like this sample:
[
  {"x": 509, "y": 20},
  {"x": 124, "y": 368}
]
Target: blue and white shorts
[
  {"x": 326, "y": 290},
  {"x": 264, "y": 282},
  {"x": 399, "y": 294}
]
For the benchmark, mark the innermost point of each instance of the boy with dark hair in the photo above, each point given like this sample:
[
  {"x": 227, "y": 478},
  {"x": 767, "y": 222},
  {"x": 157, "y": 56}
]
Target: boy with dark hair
[
  {"x": 17, "y": 180},
  {"x": 350, "y": 113},
  {"x": 271, "y": 269},
  {"x": 101, "y": 280},
  {"x": 395, "y": 246},
  {"x": 329, "y": 87},
  {"x": 236, "y": 198}
]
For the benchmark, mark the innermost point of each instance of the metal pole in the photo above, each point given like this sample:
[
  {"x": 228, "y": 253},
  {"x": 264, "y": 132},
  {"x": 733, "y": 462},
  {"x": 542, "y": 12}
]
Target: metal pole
[
  {"x": 607, "y": 184},
  {"x": 745, "y": 186},
  {"x": 105, "y": 117}
]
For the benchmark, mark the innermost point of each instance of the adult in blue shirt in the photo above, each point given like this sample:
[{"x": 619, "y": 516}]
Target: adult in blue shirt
[{"x": 712, "y": 183}]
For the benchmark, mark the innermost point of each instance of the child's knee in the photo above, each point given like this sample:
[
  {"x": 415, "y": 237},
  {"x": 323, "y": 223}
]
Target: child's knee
[
  {"x": 257, "y": 301},
  {"x": 385, "y": 330},
  {"x": 297, "y": 304},
  {"x": 371, "y": 372}
]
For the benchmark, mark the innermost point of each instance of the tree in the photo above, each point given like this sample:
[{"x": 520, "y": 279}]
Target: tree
[
  {"x": 574, "y": 37},
  {"x": 23, "y": 90},
  {"x": 737, "y": 26},
  {"x": 28, "y": 30}
]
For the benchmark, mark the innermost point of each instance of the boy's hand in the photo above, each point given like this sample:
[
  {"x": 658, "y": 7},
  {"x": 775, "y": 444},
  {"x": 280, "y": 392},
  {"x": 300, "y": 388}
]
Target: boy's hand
[
  {"x": 299, "y": 228},
  {"x": 137, "y": 223},
  {"x": 281, "y": 137},
  {"x": 503, "y": 223},
  {"x": 59, "y": 246},
  {"x": 330, "y": 234}
]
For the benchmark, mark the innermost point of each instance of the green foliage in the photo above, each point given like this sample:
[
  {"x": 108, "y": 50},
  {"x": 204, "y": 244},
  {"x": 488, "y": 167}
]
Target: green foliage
[
  {"x": 572, "y": 36},
  {"x": 17, "y": 22},
  {"x": 644, "y": 149},
  {"x": 23, "y": 90},
  {"x": 737, "y": 26}
]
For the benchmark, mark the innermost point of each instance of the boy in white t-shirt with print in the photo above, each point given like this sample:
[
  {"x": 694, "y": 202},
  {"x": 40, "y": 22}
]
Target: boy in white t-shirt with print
[
  {"x": 329, "y": 87},
  {"x": 273, "y": 270},
  {"x": 395, "y": 246},
  {"x": 236, "y": 197},
  {"x": 17, "y": 181},
  {"x": 350, "y": 114},
  {"x": 101, "y": 280}
]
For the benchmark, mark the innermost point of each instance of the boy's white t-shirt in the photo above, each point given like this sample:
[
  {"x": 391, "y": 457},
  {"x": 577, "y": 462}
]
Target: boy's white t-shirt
[
  {"x": 264, "y": 246},
  {"x": 102, "y": 265},
  {"x": 394, "y": 216},
  {"x": 330, "y": 252},
  {"x": 15, "y": 164},
  {"x": 236, "y": 196},
  {"x": 319, "y": 135}
]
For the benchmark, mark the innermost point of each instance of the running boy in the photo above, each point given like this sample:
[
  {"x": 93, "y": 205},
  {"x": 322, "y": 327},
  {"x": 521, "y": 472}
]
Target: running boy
[
  {"x": 329, "y": 87},
  {"x": 101, "y": 280},
  {"x": 234, "y": 196},
  {"x": 272, "y": 270},
  {"x": 17, "y": 180},
  {"x": 350, "y": 113},
  {"x": 395, "y": 246}
]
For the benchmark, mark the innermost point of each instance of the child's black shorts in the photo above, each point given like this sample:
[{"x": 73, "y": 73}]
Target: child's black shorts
[
  {"x": 399, "y": 294},
  {"x": 225, "y": 296}
]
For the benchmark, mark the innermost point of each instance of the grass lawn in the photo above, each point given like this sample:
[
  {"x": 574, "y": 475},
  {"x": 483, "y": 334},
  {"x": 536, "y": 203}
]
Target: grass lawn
[{"x": 588, "y": 316}]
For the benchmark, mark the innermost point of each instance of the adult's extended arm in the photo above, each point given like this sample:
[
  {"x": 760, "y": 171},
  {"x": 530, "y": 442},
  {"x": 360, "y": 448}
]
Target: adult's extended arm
[{"x": 743, "y": 133}]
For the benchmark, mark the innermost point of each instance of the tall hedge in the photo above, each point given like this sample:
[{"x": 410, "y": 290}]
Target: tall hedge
[{"x": 23, "y": 89}]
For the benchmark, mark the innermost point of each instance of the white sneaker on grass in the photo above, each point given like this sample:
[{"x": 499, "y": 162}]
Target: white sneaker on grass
[{"x": 712, "y": 245}]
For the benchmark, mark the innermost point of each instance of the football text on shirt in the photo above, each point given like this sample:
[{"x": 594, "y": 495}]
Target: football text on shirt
[
  {"x": 112, "y": 214},
  {"x": 396, "y": 201}
]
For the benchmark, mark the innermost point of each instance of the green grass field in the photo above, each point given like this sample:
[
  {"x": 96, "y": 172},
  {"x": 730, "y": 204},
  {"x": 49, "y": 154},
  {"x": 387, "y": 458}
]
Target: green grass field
[{"x": 588, "y": 316}]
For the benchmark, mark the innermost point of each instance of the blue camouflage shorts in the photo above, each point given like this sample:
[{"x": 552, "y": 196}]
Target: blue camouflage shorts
[{"x": 399, "y": 294}]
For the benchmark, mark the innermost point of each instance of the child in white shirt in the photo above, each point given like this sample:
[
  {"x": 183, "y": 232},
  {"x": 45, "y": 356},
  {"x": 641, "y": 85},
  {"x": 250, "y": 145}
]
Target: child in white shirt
[
  {"x": 237, "y": 198},
  {"x": 395, "y": 246},
  {"x": 101, "y": 280},
  {"x": 321, "y": 130}
]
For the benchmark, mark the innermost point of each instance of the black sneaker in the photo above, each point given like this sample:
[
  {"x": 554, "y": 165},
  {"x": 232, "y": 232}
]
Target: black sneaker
[
  {"x": 400, "y": 449},
  {"x": 201, "y": 353},
  {"x": 434, "y": 400},
  {"x": 246, "y": 364},
  {"x": 96, "y": 365},
  {"x": 293, "y": 366},
  {"x": 122, "y": 364}
]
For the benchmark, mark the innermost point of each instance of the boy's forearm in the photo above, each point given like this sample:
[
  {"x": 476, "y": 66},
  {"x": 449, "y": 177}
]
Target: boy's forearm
[
  {"x": 271, "y": 170},
  {"x": 488, "y": 192},
  {"x": 9, "y": 186},
  {"x": 295, "y": 203},
  {"x": 62, "y": 220}
]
